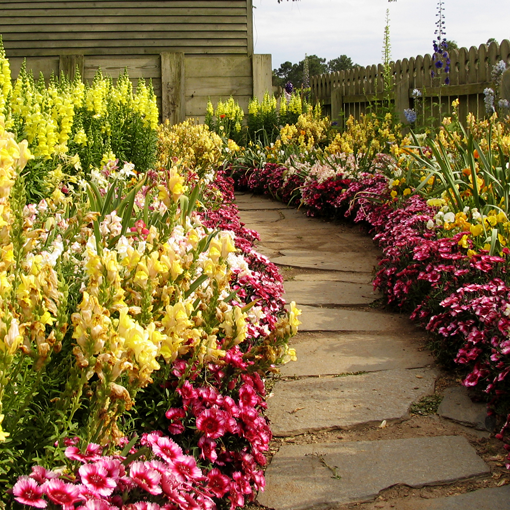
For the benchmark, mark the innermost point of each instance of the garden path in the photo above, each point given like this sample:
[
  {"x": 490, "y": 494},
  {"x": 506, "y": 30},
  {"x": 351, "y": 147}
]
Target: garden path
[{"x": 355, "y": 419}]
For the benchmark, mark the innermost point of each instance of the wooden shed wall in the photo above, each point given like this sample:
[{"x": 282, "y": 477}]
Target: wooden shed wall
[
  {"x": 190, "y": 50},
  {"x": 119, "y": 27}
]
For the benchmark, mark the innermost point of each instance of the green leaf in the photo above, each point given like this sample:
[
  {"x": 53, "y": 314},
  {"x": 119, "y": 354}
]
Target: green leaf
[{"x": 194, "y": 286}]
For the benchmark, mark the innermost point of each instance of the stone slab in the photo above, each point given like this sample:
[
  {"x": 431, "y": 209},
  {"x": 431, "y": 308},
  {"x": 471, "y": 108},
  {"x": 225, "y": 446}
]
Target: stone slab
[
  {"x": 334, "y": 276},
  {"x": 263, "y": 216},
  {"x": 325, "y": 403},
  {"x": 308, "y": 477},
  {"x": 340, "y": 319},
  {"x": 253, "y": 203},
  {"x": 343, "y": 261},
  {"x": 457, "y": 406},
  {"x": 496, "y": 498},
  {"x": 329, "y": 293},
  {"x": 340, "y": 353}
]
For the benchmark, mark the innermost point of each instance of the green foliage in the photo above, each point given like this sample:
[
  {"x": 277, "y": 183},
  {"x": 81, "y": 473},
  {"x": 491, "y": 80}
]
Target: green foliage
[{"x": 294, "y": 73}]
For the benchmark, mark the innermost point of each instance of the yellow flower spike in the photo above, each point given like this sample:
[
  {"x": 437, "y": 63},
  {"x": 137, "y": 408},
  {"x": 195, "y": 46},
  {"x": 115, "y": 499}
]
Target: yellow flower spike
[
  {"x": 293, "y": 317},
  {"x": 241, "y": 326},
  {"x": 13, "y": 339}
]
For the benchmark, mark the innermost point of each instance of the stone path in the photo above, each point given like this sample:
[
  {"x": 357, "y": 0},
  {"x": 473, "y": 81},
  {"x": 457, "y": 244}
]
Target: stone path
[{"x": 344, "y": 433}]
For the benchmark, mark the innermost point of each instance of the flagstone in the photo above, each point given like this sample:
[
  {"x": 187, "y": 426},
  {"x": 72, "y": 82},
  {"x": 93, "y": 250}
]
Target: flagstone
[
  {"x": 322, "y": 292},
  {"x": 313, "y": 404},
  {"x": 341, "y": 261},
  {"x": 457, "y": 406},
  {"x": 340, "y": 319},
  {"x": 495, "y": 498},
  {"x": 340, "y": 353},
  {"x": 333, "y": 276},
  {"x": 250, "y": 203},
  {"x": 313, "y": 476}
]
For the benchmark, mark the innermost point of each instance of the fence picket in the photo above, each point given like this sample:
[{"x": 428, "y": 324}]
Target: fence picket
[{"x": 470, "y": 72}]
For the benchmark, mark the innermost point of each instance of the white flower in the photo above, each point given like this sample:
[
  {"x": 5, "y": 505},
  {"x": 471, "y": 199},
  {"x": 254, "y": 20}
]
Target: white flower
[
  {"x": 449, "y": 217},
  {"x": 430, "y": 224},
  {"x": 127, "y": 170}
]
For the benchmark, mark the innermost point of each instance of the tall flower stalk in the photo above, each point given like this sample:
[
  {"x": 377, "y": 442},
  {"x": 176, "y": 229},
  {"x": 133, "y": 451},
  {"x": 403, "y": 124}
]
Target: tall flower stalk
[{"x": 441, "y": 57}]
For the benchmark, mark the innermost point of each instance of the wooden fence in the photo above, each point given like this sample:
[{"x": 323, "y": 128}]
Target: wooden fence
[{"x": 352, "y": 92}]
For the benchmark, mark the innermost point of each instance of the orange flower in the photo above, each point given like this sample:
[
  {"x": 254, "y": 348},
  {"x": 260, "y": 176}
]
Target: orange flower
[{"x": 475, "y": 154}]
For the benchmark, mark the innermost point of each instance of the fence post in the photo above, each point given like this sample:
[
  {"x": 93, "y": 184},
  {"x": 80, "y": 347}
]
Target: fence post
[
  {"x": 173, "y": 104},
  {"x": 402, "y": 98},
  {"x": 262, "y": 75},
  {"x": 68, "y": 64},
  {"x": 505, "y": 85},
  {"x": 337, "y": 106}
]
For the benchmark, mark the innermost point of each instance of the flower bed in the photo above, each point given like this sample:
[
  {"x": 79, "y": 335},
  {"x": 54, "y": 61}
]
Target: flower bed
[
  {"x": 433, "y": 264},
  {"x": 137, "y": 323}
]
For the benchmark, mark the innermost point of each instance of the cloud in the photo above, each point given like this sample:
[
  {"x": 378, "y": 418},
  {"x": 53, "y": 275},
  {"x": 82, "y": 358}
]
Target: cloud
[{"x": 329, "y": 28}]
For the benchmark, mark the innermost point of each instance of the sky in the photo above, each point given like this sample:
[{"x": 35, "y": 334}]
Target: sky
[{"x": 330, "y": 28}]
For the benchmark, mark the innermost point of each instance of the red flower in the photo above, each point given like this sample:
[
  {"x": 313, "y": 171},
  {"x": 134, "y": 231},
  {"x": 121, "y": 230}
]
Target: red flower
[{"x": 212, "y": 422}]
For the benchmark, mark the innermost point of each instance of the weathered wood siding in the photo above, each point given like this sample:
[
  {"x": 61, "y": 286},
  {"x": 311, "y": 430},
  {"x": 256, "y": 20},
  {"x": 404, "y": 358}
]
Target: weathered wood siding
[
  {"x": 118, "y": 27},
  {"x": 191, "y": 50}
]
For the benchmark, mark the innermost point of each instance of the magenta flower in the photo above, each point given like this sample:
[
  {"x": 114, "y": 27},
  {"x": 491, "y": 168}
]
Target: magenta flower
[
  {"x": 96, "y": 480},
  {"x": 61, "y": 493},
  {"x": 28, "y": 492},
  {"x": 167, "y": 449},
  {"x": 146, "y": 477},
  {"x": 247, "y": 396},
  {"x": 218, "y": 483},
  {"x": 175, "y": 415},
  {"x": 212, "y": 422},
  {"x": 97, "y": 504},
  {"x": 208, "y": 447}
]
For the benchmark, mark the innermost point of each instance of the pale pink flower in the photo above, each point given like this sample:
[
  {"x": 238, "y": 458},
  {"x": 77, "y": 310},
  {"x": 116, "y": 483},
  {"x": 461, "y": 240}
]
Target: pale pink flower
[
  {"x": 146, "y": 477},
  {"x": 41, "y": 474},
  {"x": 61, "y": 493},
  {"x": 97, "y": 504},
  {"x": 28, "y": 492},
  {"x": 167, "y": 449},
  {"x": 185, "y": 468}
]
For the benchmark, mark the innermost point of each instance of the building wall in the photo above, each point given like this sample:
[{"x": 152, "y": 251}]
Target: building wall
[
  {"x": 191, "y": 50},
  {"x": 117, "y": 27}
]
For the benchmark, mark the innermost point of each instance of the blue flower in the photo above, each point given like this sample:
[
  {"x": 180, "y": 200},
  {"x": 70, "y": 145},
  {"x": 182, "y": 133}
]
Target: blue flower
[
  {"x": 289, "y": 87},
  {"x": 410, "y": 115}
]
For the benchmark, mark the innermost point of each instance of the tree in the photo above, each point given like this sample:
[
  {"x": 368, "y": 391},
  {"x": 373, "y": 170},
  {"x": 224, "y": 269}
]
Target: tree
[
  {"x": 341, "y": 63},
  {"x": 316, "y": 65}
]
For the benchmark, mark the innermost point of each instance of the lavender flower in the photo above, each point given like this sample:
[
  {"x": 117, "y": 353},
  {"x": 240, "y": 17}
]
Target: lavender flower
[
  {"x": 410, "y": 115},
  {"x": 416, "y": 93},
  {"x": 504, "y": 104},
  {"x": 498, "y": 70},
  {"x": 489, "y": 100}
]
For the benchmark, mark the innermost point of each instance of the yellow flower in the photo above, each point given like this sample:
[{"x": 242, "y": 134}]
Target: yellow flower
[
  {"x": 293, "y": 317},
  {"x": 476, "y": 230}
]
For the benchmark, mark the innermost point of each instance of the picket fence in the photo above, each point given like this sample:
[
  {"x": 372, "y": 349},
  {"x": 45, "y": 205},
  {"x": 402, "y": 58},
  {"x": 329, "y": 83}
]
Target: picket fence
[{"x": 355, "y": 91}]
